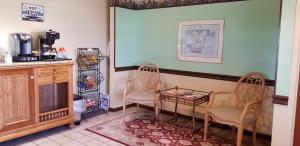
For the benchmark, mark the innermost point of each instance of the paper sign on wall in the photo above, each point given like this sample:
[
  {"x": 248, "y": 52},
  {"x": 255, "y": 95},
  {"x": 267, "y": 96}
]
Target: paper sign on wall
[{"x": 32, "y": 12}]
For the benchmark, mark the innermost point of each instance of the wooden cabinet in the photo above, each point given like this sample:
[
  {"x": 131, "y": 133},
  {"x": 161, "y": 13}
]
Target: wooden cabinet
[
  {"x": 16, "y": 99},
  {"x": 35, "y": 97}
]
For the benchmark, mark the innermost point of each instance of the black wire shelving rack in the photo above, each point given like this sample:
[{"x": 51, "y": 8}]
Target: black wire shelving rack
[{"x": 90, "y": 79}]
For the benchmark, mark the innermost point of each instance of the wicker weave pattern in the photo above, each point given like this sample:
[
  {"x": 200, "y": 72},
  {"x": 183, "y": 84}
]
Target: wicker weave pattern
[
  {"x": 250, "y": 88},
  {"x": 147, "y": 76}
]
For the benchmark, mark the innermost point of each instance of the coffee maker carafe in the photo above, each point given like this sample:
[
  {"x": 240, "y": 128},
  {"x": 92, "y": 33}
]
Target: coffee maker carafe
[
  {"x": 22, "y": 46},
  {"x": 46, "y": 41}
]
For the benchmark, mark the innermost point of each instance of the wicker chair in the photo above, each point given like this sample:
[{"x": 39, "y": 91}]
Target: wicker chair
[
  {"x": 145, "y": 84},
  {"x": 248, "y": 95}
]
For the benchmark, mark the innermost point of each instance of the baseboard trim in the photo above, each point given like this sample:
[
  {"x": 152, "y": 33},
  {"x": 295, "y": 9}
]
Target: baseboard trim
[
  {"x": 221, "y": 126},
  {"x": 194, "y": 74},
  {"x": 121, "y": 107}
]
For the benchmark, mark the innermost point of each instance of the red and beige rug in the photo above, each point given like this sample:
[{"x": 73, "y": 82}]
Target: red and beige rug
[{"x": 140, "y": 130}]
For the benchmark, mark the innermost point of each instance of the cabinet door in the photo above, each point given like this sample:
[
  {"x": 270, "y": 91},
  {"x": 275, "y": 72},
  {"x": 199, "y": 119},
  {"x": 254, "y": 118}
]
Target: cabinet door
[{"x": 16, "y": 99}]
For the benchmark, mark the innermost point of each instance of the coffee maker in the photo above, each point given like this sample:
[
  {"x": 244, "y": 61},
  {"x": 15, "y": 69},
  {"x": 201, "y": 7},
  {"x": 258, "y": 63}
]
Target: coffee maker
[
  {"x": 22, "y": 46},
  {"x": 46, "y": 41}
]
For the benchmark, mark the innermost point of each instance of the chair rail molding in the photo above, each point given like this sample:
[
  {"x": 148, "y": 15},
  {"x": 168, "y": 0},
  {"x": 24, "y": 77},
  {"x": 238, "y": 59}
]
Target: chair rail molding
[
  {"x": 193, "y": 74},
  {"x": 280, "y": 99}
]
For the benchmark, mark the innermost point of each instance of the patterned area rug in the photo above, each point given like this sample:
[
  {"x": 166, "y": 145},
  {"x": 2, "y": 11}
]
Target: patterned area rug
[
  {"x": 140, "y": 130},
  {"x": 168, "y": 134}
]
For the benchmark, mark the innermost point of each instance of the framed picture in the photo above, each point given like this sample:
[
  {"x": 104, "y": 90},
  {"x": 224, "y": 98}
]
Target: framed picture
[
  {"x": 201, "y": 41},
  {"x": 32, "y": 12}
]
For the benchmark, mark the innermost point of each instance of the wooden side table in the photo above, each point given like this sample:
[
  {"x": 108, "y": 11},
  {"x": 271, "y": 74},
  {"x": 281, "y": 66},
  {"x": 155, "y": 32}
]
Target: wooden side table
[{"x": 183, "y": 96}]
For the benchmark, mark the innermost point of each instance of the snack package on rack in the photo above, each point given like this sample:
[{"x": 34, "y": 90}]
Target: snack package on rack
[{"x": 90, "y": 103}]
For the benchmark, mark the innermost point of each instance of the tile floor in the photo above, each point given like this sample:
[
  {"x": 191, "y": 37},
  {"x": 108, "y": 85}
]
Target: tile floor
[{"x": 63, "y": 136}]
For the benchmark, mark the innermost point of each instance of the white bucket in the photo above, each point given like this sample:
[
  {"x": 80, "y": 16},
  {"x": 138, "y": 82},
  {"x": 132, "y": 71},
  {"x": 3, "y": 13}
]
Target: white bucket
[{"x": 78, "y": 107}]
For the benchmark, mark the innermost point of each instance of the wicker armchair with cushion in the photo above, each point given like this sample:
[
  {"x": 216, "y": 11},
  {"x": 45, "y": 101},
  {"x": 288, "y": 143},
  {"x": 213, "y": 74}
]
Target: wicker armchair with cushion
[
  {"x": 248, "y": 96},
  {"x": 145, "y": 85}
]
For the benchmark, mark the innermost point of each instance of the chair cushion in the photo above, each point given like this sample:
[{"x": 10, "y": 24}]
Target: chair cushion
[
  {"x": 141, "y": 97},
  {"x": 232, "y": 115}
]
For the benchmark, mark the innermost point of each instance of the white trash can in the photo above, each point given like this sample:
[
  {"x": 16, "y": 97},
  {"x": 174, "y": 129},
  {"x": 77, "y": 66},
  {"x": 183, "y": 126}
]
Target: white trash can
[{"x": 79, "y": 107}]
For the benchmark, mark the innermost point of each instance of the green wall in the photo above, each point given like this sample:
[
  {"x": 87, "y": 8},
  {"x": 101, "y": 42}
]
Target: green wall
[
  {"x": 126, "y": 37},
  {"x": 285, "y": 47},
  {"x": 250, "y": 36}
]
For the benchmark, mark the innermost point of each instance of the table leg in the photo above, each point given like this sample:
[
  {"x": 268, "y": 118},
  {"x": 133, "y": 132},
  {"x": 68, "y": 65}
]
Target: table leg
[
  {"x": 176, "y": 105},
  {"x": 157, "y": 110},
  {"x": 194, "y": 123}
]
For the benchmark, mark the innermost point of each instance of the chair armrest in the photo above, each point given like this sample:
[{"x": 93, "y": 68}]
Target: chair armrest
[
  {"x": 128, "y": 81},
  {"x": 158, "y": 86},
  {"x": 247, "y": 107},
  {"x": 223, "y": 92},
  {"x": 126, "y": 86},
  {"x": 254, "y": 103},
  {"x": 213, "y": 95}
]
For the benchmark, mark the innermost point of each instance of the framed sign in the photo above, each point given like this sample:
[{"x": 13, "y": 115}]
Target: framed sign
[
  {"x": 201, "y": 41},
  {"x": 32, "y": 12}
]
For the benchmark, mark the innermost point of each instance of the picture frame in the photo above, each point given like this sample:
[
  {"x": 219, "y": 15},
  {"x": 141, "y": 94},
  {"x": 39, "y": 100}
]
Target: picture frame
[
  {"x": 31, "y": 12},
  {"x": 201, "y": 41}
]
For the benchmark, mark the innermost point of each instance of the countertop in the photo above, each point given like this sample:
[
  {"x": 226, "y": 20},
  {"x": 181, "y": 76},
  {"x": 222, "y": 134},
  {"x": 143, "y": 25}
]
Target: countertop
[{"x": 33, "y": 64}]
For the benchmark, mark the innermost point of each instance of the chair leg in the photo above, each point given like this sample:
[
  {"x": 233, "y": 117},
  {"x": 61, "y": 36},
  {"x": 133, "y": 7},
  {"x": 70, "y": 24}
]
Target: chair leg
[
  {"x": 137, "y": 107},
  {"x": 205, "y": 126},
  {"x": 156, "y": 108},
  {"x": 254, "y": 135},
  {"x": 240, "y": 135},
  {"x": 156, "y": 113},
  {"x": 124, "y": 110},
  {"x": 232, "y": 132}
]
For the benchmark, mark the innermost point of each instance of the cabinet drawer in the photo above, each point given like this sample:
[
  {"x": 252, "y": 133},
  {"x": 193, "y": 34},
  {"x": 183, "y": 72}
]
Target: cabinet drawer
[
  {"x": 61, "y": 77},
  {"x": 61, "y": 74},
  {"x": 45, "y": 79},
  {"x": 45, "y": 71},
  {"x": 60, "y": 70}
]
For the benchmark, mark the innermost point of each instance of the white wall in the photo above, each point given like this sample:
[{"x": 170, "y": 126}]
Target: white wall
[
  {"x": 284, "y": 116},
  {"x": 116, "y": 79},
  {"x": 81, "y": 23}
]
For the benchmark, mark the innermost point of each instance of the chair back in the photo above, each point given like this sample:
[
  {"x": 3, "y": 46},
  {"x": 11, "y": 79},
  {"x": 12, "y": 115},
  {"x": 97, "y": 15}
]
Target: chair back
[
  {"x": 147, "y": 76},
  {"x": 250, "y": 88}
]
